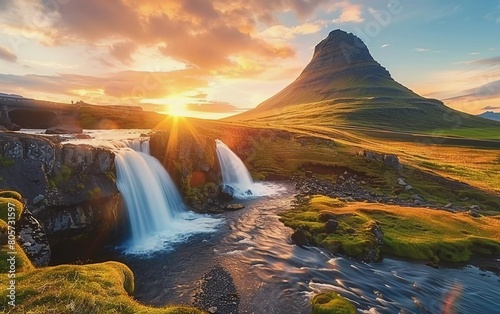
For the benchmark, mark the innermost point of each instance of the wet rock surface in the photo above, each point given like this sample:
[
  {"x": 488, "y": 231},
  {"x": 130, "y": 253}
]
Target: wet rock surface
[
  {"x": 217, "y": 292},
  {"x": 32, "y": 238}
]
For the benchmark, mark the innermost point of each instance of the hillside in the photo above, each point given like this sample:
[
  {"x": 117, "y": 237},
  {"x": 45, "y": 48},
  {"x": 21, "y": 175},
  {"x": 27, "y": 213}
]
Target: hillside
[{"x": 344, "y": 86}]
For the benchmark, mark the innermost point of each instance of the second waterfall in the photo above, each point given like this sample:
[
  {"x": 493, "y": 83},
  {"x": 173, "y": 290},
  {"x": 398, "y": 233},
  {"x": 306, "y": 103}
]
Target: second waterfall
[{"x": 236, "y": 175}]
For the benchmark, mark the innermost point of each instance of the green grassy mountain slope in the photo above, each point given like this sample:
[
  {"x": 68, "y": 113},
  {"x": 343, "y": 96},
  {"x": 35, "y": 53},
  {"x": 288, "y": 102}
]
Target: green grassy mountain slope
[{"x": 344, "y": 86}]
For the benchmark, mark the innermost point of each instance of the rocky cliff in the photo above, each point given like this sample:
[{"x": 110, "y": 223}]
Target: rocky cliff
[
  {"x": 191, "y": 158},
  {"x": 70, "y": 189}
]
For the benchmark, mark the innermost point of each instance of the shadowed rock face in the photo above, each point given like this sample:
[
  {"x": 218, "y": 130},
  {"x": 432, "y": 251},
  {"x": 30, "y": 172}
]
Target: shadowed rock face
[
  {"x": 69, "y": 189},
  {"x": 339, "y": 52}
]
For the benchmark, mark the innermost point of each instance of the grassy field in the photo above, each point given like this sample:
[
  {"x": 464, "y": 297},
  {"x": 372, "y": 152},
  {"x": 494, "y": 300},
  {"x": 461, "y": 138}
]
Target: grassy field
[{"x": 416, "y": 233}]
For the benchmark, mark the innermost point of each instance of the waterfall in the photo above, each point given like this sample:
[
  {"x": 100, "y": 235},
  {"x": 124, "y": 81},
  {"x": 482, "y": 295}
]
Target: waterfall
[
  {"x": 155, "y": 209},
  {"x": 235, "y": 174}
]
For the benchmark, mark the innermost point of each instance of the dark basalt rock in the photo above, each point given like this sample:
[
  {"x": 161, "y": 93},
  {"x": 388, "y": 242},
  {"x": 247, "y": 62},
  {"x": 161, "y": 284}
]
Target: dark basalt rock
[
  {"x": 299, "y": 237},
  {"x": 331, "y": 226},
  {"x": 32, "y": 238},
  {"x": 70, "y": 189},
  {"x": 226, "y": 192}
]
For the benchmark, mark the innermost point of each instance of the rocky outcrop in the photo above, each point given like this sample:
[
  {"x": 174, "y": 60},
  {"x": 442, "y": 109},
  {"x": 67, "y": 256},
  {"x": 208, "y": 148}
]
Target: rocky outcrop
[
  {"x": 70, "y": 189},
  {"x": 32, "y": 238},
  {"x": 191, "y": 159},
  {"x": 388, "y": 159}
]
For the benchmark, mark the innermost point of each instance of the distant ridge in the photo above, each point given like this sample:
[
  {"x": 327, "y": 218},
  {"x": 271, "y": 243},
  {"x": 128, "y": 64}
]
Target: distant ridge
[
  {"x": 490, "y": 115},
  {"x": 344, "y": 85}
]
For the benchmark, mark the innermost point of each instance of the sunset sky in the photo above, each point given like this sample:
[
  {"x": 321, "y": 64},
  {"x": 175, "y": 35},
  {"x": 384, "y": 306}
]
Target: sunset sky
[{"x": 217, "y": 58}]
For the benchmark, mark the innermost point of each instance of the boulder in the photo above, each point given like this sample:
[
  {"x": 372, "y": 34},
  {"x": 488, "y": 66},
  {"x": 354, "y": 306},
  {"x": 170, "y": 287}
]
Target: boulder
[
  {"x": 373, "y": 156},
  {"x": 331, "y": 226},
  {"x": 377, "y": 233},
  {"x": 473, "y": 213},
  {"x": 401, "y": 181},
  {"x": 232, "y": 207},
  {"x": 226, "y": 192},
  {"x": 64, "y": 129},
  {"x": 392, "y": 161},
  {"x": 388, "y": 159},
  {"x": 299, "y": 237},
  {"x": 309, "y": 174}
]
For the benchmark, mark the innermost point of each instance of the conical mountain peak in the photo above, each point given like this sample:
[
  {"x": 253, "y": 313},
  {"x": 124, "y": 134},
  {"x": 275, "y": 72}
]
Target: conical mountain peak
[
  {"x": 339, "y": 49},
  {"x": 341, "y": 68}
]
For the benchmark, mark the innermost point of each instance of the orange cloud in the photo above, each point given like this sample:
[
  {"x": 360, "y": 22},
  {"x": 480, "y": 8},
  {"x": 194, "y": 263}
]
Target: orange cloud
[
  {"x": 126, "y": 84},
  {"x": 212, "y": 106},
  {"x": 204, "y": 34},
  {"x": 123, "y": 51},
  {"x": 7, "y": 55}
]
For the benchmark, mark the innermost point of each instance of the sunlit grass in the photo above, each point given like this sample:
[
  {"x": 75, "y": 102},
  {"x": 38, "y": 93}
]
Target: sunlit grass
[
  {"x": 416, "y": 233},
  {"x": 95, "y": 288}
]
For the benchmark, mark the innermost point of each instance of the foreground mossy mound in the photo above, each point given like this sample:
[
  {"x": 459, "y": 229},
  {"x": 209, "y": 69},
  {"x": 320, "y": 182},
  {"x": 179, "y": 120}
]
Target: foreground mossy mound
[
  {"x": 416, "y": 233},
  {"x": 331, "y": 303},
  {"x": 96, "y": 288},
  {"x": 10, "y": 207}
]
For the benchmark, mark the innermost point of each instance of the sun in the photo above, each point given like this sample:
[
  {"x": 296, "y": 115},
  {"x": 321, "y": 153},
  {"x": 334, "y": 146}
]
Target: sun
[{"x": 177, "y": 110}]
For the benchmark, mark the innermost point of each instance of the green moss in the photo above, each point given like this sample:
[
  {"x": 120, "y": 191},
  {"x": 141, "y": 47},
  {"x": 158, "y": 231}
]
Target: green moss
[
  {"x": 331, "y": 303},
  {"x": 11, "y": 194},
  {"x": 416, "y": 233},
  {"x": 96, "y": 288},
  {"x": 11, "y": 250},
  {"x": 111, "y": 176},
  {"x": 10, "y": 207},
  {"x": 5, "y": 161},
  {"x": 95, "y": 192},
  {"x": 22, "y": 262},
  {"x": 61, "y": 178}
]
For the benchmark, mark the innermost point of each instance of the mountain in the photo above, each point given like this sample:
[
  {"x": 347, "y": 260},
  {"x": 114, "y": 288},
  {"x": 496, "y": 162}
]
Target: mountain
[
  {"x": 344, "y": 85},
  {"x": 490, "y": 115}
]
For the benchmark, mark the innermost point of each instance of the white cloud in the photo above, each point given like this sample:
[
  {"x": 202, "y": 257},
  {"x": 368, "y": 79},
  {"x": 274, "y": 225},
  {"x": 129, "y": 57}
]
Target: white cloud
[
  {"x": 421, "y": 49},
  {"x": 285, "y": 33},
  {"x": 351, "y": 13},
  {"x": 385, "y": 45}
]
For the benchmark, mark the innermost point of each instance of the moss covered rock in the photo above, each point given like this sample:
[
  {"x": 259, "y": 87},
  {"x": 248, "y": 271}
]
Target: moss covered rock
[
  {"x": 13, "y": 259},
  {"x": 96, "y": 288},
  {"x": 10, "y": 208},
  {"x": 331, "y": 303}
]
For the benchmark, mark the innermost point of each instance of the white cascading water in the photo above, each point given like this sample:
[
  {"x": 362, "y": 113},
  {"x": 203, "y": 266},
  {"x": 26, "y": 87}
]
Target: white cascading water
[
  {"x": 235, "y": 174},
  {"x": 157, "y": 215}
]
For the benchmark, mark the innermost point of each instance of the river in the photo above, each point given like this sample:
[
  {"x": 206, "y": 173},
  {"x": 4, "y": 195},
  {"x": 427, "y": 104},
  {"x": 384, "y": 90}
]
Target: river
[{"x": 274, "y": 276}]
